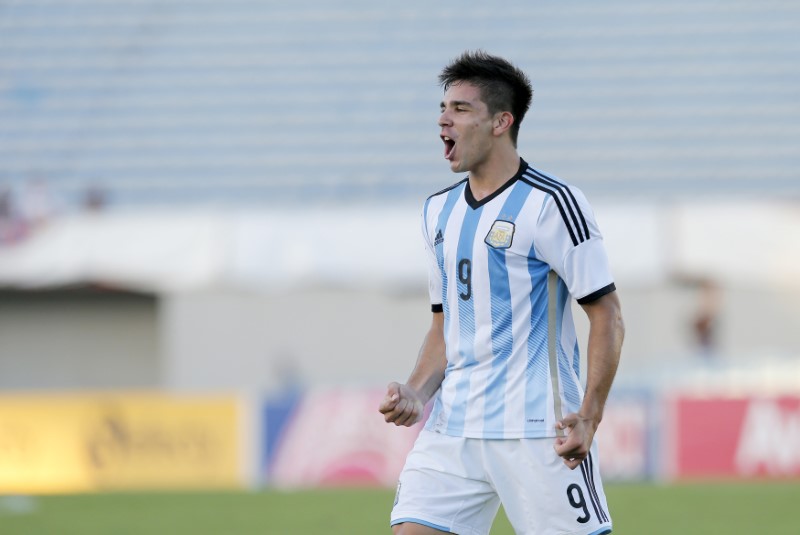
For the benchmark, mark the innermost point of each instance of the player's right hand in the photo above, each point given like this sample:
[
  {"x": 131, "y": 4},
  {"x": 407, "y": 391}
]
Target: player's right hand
[{"x": 401, "y": 405}]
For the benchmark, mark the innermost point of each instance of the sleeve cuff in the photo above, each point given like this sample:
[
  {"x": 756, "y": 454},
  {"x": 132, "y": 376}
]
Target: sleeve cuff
[
  {"x": 437, "y": 308},
  {"x": 594, "y": 296}
]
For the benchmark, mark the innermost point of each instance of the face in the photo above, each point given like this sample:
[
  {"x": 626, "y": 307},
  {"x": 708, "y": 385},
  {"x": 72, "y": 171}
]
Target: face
[{"x": 466, "y": 128}]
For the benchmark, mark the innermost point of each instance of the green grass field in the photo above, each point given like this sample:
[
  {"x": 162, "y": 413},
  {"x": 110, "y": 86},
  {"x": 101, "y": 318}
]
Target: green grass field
[{"x": 729, "y": 508}]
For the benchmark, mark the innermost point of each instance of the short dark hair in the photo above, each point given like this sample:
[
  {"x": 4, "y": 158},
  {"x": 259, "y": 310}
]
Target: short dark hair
[{"x": 503, "y": 86}]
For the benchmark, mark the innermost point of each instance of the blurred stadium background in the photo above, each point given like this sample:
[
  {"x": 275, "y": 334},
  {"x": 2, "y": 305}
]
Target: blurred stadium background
[{"x": 209, "y": 237}]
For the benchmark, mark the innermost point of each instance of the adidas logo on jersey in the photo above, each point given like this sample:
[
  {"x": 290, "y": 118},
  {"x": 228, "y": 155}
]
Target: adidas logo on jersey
[{"x": 439, "y": 238}]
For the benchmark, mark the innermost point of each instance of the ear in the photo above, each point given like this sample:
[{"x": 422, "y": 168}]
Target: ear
[{"x": 502, "y": 122}]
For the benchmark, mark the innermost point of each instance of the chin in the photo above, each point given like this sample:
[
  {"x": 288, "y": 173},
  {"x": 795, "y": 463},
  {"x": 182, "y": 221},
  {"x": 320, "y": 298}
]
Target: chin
[{"x": 456, "y": 167}]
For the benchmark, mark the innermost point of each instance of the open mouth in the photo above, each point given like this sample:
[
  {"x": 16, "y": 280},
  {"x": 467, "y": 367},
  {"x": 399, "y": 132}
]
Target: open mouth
[{"x": 449, "y": 146}]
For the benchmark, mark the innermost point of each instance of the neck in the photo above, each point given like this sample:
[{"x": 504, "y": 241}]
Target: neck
[{"x": 502, "y": 165}]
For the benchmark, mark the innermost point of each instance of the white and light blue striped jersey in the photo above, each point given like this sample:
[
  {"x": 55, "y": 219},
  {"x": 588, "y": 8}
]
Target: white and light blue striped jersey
[{"x": 503, "y": 270}]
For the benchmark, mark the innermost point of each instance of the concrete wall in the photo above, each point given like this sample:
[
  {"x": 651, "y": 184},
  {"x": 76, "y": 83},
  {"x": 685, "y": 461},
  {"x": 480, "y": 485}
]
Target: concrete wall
[
  {"x": 77, "y": 339},
  {"x": 257, "y": 342},
  {"x": 262, "y": 342}
]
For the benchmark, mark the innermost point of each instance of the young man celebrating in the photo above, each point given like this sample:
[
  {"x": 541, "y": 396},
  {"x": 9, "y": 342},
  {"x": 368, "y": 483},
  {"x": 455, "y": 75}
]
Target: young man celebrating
[{"x": 509, "y": 247}]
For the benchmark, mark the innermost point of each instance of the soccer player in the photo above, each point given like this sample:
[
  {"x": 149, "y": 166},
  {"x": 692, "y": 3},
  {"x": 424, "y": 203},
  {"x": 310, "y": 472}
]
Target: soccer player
[{"x": 509, "y": 247}]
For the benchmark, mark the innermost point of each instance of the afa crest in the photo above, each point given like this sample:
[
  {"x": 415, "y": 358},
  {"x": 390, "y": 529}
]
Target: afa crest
[{"x": 500, "y": 235}]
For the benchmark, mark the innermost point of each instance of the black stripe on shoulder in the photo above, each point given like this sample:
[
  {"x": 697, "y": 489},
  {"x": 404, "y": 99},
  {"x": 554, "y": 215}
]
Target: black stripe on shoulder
[
  {"x": 564, "y": 191},
  {"x": 448, "y": 188},
  {"x": 594, "y": 296},
  {"x": 559, "y": 205}
]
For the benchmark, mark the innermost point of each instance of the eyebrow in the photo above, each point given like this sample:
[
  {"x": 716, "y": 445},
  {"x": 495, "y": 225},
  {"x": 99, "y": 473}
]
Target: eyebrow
[{"x": 455, "y": 103}]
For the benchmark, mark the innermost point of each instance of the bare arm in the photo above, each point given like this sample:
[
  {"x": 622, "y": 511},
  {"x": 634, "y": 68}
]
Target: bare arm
[
  {"x": 404, "y": 404},
  {"x": 606, "y": 332}
]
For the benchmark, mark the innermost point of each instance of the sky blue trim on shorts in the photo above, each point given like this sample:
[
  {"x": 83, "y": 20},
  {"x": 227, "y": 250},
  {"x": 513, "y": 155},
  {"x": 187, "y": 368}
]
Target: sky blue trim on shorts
[
  {"x": 423, "y": 522},
  {"x": 602, "y": 531}
]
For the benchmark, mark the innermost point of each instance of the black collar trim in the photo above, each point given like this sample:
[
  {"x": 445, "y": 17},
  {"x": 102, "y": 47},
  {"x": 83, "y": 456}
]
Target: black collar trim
[{"x": 475, "y": 204}]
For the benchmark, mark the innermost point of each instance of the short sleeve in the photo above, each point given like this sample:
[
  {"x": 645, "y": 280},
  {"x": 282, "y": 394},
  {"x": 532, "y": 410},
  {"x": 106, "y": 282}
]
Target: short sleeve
[
  {"x": 434, "y": 273},
  {"x": 568, "y": 239}
]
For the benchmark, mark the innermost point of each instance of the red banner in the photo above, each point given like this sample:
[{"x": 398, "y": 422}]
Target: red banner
[
  {"x": 624, "y": 439},
  {"x": 737, "y": 437},
  {"x": 337, "y": 437}
]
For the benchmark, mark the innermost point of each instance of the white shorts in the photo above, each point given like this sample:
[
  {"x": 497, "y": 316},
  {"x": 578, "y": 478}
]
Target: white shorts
[{"x": 456, "y": 485}]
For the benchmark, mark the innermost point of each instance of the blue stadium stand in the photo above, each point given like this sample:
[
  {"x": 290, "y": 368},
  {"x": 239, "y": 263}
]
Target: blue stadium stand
[{"x": 177, "y": 101}]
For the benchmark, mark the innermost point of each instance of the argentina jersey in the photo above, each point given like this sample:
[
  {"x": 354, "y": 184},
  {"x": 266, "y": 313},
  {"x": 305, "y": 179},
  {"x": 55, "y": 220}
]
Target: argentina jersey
[{"x": 504, "y": 270}]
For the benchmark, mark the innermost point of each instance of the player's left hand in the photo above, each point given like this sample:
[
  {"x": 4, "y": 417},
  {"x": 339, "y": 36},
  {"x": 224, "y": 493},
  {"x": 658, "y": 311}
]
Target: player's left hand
[{"x": 574, "y": 445}]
